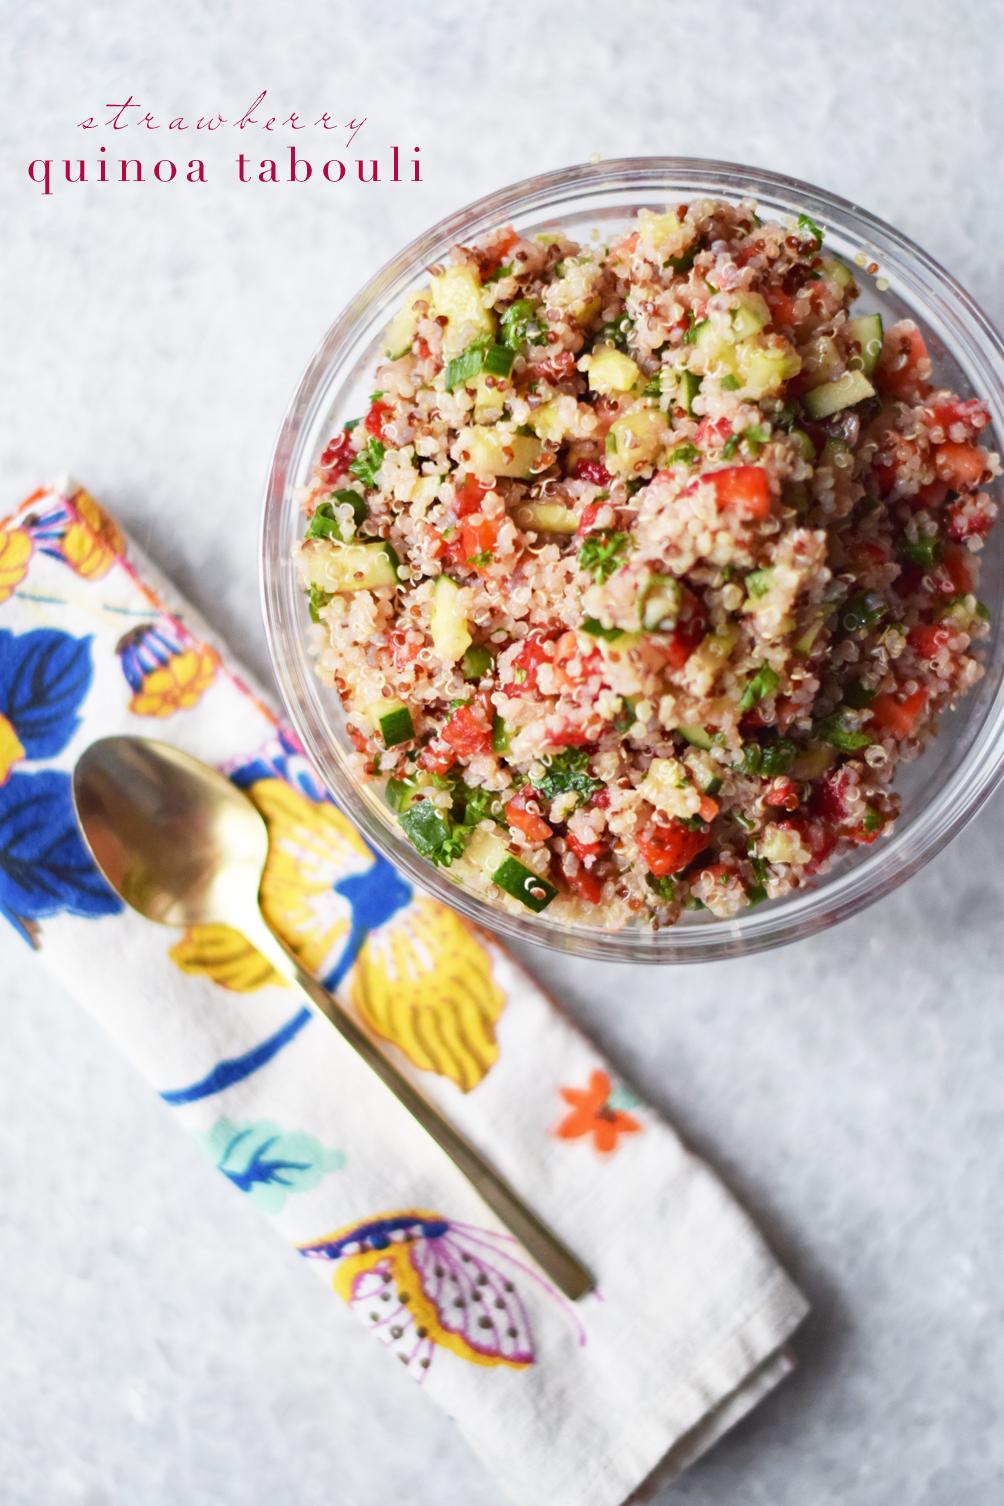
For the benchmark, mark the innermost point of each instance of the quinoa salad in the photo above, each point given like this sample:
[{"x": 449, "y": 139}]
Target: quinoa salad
[{"x": 649, "y": 562}]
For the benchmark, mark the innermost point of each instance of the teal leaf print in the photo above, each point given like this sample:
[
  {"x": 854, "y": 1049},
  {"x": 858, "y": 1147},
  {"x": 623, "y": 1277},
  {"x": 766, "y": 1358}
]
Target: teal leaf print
[{"x": 266, "y": 1162}]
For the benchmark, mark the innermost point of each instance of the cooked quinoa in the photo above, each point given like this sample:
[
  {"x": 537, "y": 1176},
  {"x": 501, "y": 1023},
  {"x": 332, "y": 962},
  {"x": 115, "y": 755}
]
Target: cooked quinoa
[{"x": 647, "y": 565}]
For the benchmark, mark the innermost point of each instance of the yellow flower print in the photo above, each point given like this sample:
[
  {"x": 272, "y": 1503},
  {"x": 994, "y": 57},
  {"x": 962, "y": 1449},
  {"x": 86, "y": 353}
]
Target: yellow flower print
[
  {"x": 92, "y": 544},
  {"x": 311, "y": 848},
  {"x": 225, "y": 956},
  {"x": 425, "y": 982},
  {"x": 11, "y": 748},
  {"x": 15, "y": 555},
  {"x": 177, "y": 685}
]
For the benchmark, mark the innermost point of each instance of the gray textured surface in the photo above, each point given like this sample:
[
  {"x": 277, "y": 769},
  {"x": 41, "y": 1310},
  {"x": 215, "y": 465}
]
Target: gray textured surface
[{"x": 158, "y": 1346}]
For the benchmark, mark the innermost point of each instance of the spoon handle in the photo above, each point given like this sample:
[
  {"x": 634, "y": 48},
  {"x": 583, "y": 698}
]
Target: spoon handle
[{"x": 567, "y": 1273}]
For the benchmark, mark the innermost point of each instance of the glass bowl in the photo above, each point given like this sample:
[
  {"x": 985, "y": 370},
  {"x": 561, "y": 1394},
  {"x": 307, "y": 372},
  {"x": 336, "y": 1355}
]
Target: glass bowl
[{"x": 941, "y": 791}]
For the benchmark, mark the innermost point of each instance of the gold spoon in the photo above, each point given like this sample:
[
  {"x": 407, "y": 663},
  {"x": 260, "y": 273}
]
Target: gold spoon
[{"x": 185, "y": 847}]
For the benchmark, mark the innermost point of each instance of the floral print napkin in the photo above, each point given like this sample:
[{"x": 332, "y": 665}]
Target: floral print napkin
[{"x": 568, "y": 1405}]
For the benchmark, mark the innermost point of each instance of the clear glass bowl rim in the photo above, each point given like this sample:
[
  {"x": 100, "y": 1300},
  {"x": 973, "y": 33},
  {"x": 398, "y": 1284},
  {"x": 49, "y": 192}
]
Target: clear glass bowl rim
[{"x": 652, "y": 179}]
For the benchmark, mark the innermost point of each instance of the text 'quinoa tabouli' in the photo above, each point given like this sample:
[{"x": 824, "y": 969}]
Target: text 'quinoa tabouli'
[{"x": 647, "y": 565}]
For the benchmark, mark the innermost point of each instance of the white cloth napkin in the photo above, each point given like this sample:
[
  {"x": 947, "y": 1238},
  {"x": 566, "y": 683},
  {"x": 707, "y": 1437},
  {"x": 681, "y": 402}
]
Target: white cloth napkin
[{"x": 568, "y": 1405}]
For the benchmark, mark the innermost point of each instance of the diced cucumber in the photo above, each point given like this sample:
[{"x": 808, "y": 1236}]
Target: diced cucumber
[
  {"x": 547, "y": 517},
  {"x": 835, "y": 269},
  {"x": 395, "y": 723},
  {"x": 748, "y": 316},
  {"x": 703, "y": 771},
  {"x": 659, "y": 604},
  {"x": 690, "y": 386},
  {"x": 397, "y": 341},
  {"x": 647, "y": 428},
  {"x": 426, "y": 826},
  {"x": 802, "y": 648},
  {"x": 758, "y": 582},
  {"x": 457, "y": 295},
  {"x": 486, "y": 849},
  {"x": 609, "y": 370},
  {"x": 868, "y": 333},
  {"x": 833, "y": 452},
  {"x": 494, "y": 452},
  {"x": 696, "y": 736},
  {"x": 803, "y": 444},
  {"x": 400, "y": 794},
  {"x": 853, "y": 387},
  {"x": 350, "y": 567},
  {"x": 450, "y": 635},
  {"x": 534, "y": 892}
]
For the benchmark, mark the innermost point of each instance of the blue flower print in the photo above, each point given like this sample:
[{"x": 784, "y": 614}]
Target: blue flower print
[
  {"x": 266, "y": 1163},
  {"x": 45, "y": 867},
  {"x": 44, "y": 677}
]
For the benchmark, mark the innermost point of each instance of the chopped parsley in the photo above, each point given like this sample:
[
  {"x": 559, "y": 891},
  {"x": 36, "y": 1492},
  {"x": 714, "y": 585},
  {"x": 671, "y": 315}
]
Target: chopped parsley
[
  {"x": 480, "y": 561},
  {"x": 515, "y": 324},
  {"x": 316, "y": 600},
  {"x": 369, "y": 461},
  {"x": 835, "y": 731},
  {"x": 763, "y": 683},
  {"x": 601, "y": 553},
  {"x": 615, "y": 332},
  {"x": 810, "y": 226},
  {"x": 567, "y": 771},
  {"x": 664, "y": 886},
  {"x": 684, "y": 454}
]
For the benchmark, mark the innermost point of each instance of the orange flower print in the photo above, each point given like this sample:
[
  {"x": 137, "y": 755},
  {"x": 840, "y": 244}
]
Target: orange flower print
[{"x": 598, "y": 1112}]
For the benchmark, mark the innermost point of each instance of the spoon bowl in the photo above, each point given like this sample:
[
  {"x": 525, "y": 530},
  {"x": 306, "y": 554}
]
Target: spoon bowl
[{"x": 173, "y": 837}]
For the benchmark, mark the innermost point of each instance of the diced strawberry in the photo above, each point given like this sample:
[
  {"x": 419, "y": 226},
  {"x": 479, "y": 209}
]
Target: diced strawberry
[
  {"x": 904, "y": 367},
  {"x": 667, "y": 849},
  {"x": 933, "y": 494},
  {"x": 830, "y": 798},
  {"x": 470, "y": 496},
  {"x": 587, "y": 851},
  {"x": 781, "y": 305},
  {"x": 746, "y": 489},
  {"x": 956, "y": 563},
  {"x": 379, "y": 415},
  {"x": 783, "y": 793},
  {"x": 523, "y": 812},
  {"x": 531, "y": 656},
  {"x": 587, "y": 886},
  {"x": 972, "y": 414},
  {"x": 962, "y": 466},
  {"x": 437, "y": 757},
  {"x": 402, "y": 651},
  {"x": 601, "y": 799},
  {"x": 895, "y": 717},
  {"x": 337, "y": 457},
  {"x": 970, "y": 518},
  {"x": 569, "y": 736},
  {"x": 928, "y": 641},
  {"x": 592, "y": 471},
  {"x": 587, "y": 520},
  {"x": 466, "y": 734}
]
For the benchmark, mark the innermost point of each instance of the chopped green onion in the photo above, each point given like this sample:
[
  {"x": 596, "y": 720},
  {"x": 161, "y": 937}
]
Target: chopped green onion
[
  {"x": 476, "y": 662},
  {"x": 834, "y": 730},
  {"x": 731, "y": 446},
  {"x": 595, "y": 629},
  {"x": 481, "y": 561},
  {"x": 873, "y": 819},
  {"x": 463, "y": 367},
  {"x": 763, "y": 683},
  {"x": 864, "y": 612},
  {"x": 690, "y": 386},
  {"x": 500, "y": 734},
  {"x": 730, "y": 383},
  {"x": 684, "y": 454},
  {"x": 515, "y": 320},
  {"x": 498, "y": 361},
  {"x": 924, "y": 550}
]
